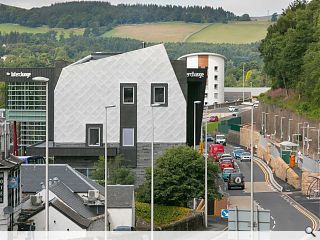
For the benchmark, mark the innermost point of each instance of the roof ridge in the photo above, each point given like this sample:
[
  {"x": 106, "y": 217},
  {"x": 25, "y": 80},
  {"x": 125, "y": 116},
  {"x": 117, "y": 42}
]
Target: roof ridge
[{"x": 81, "y": 177}]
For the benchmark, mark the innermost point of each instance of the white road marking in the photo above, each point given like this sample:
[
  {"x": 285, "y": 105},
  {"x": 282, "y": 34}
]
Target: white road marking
[{"x": 272, "y": 218}]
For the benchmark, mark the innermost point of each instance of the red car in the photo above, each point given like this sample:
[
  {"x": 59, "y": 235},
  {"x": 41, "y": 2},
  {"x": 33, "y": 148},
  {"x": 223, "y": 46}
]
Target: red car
[
  {"x": 213, "y": 119},
  {"x": 225, "y": 164}
]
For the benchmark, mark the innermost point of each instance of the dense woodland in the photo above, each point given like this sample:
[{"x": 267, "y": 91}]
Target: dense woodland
[
  {"x": 41, "y": 50},
  {"x": 291, "y": 54},
  {"x": 103, "y": 14}
]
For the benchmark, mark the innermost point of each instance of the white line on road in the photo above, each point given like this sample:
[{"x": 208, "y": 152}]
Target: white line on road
[{"x": 272, "y": 218}]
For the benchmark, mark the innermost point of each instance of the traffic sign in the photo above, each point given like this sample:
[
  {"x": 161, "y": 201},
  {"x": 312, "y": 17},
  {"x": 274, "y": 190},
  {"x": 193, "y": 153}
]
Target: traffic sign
[{"x": 224, "y": 213}]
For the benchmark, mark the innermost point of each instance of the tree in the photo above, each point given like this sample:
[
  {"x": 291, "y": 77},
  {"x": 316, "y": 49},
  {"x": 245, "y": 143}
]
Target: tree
[
  {"x": 179, "y": 177},
  {"x": 118, "y": 173}
]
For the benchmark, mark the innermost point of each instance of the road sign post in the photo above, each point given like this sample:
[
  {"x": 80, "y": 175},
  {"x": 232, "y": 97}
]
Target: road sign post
[{"x": 224, "y": 213}]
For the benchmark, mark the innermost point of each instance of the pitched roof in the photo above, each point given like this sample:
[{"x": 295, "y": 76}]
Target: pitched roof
[
  {"x": 10, "y": 162},
  {"x": 33, "y": 174},
  {"x": 71, "y": 199},
  {"x": 120, "y": 196},
  {"x": 66, "y": 211}
]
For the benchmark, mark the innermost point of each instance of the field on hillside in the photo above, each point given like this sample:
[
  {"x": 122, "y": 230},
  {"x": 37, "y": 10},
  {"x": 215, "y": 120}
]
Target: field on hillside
[
  {"x": 157, "y": 32},
  {"x": 10, "y": 27},
  {"x": 233, "y": 32}
]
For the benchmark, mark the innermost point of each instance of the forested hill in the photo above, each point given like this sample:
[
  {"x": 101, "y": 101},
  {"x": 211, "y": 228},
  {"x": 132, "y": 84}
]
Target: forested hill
[{"x": 96, "y": 14}]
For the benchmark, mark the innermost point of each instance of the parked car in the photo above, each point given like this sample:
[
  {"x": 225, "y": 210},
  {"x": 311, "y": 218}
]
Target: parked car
[
  {"x": 226, "y": 156},
  {"x": 210, "y": 138},
  {"x": 256, "y": 104},
  {"x": 236, "y": 180},
  {"x": 221, "y": 139},
  {"x": 214, "y": 149},
  {"x": 245, "y": 156},
  {"x": 235, "y": 112},
  {"x": 225, "y": 164},
  {"x": 237, "y": 152},
  {"x": 124, "y": 228},
  {"x": 231, "y": 108},
  {"x": 213, "y": 119},
  {"x": 226, "y": 172}
]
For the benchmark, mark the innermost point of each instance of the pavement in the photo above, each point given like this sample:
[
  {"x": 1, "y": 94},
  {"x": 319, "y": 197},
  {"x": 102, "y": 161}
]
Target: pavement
[{"x": 216, "y": 224}]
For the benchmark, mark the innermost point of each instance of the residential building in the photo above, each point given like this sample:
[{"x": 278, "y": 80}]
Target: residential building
[{"x": 76, "y": 202}]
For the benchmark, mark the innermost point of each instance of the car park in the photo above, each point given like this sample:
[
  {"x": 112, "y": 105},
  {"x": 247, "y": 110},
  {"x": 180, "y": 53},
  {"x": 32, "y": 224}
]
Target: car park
[
  {"x": 226, "y": 172},
  {"x": 213, "y": 119},
  {"x": 245, "y": 156},
  {"x": 236, "y": 180},
  {"x": 237, "y": 153},
  {"x": 225, "y": 164},
  {"x": 221, "y": 139}
]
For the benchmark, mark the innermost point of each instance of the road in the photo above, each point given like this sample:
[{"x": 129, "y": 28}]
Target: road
[{"x": 284, "y": 213}]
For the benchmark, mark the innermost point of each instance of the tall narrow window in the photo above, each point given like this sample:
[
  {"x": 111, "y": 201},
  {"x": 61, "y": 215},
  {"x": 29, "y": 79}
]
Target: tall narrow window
[
  {"x": 216, "y": 95},
  {"x": 94, "y": 136},
  {"x": 216, "y": 68},
  {"x": 215, "y": 77},
  {"x": 128, "y": 95},
  {"x": 216, "y": 87},
  {"x": 159, "y": 95},
  {"x": 128, "y": 137}
]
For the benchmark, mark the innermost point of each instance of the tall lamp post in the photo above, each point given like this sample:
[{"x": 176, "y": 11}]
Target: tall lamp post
[
  {"x": 106, "y": 171},
  {"x": 46, "y": 80},
  {"x": 152, "y": 165},
  {"x": 206, "y": 172},
  {"x": 251, "y": 168},
  {"x": 281, "y": 129},
  {"x": 275, "y": 125},
  {"x": 262, "y": 123},
  {"x": 243, "y": 82},
  {"x": 289, "y": 129},
  {"x": 298, "y": 136},
  {"x": 318, "y": 150},
  {"x": 194, "y": 122},
  {"x": 308, "y": 144},
  {"x": 265, "y": 123}
]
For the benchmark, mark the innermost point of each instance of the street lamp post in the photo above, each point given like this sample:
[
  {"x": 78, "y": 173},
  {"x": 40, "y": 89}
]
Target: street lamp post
[
  {"x": 274, "y": 125},
  {"x": 46, "y": 80},
  {"x": 265, "y": 123},
  {"x": 289, "y": 129},
  {"x": 251, "y": 168},
  {"x": 152, "y": 165},
  {"x": 243, "y": 82},
  {"x": 194, "y": 123},
  {"x": 206, "y": 173},
  {"x": 308, "y": 140},
  {"x": 298, "y": 136},
  {"x": 106, "y": 171},
  {"x": 262, "y": 123},
  {"x": 303, "y": 137},
  {"x": 281, "y": 129},
  {"x": 318, "y": 150}
]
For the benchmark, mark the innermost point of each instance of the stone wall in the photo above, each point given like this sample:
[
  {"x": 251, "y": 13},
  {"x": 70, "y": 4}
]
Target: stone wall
[
  {"x": 274, "y": 125},
  {"x": 245, "y": 136},
  {"x": 279, "y": 167},
  {"x": 307, "y": 179},
  {"x": 233, "y": 137},
  {"x": 195, "y": 222},
  {"x": 144, "y": 157}
]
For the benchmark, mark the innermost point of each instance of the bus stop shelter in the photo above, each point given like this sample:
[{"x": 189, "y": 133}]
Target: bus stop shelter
[{"x": 287, "y": 149}]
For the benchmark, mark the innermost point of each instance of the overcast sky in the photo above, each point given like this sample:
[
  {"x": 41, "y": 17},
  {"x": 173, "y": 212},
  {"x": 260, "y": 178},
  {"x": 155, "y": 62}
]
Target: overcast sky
[{"x": 239, "y": 7}]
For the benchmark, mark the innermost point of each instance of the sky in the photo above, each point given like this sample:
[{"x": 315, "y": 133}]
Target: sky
[{"x": 239, "y": 7}]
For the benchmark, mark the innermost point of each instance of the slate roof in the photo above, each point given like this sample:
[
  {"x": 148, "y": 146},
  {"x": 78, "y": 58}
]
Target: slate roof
[
  {"x": 120, "y": 196},
  {"x": 71, "y": 199},
  {"x": 10, "y": 162},
  {"x": 33, "y": 174}
]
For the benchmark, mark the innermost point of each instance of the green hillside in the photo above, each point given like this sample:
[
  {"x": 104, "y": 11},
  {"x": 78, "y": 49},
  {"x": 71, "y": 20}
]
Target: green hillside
[
  {"x": 233, "y": 32},
  {"x": 10, "y": 27}
]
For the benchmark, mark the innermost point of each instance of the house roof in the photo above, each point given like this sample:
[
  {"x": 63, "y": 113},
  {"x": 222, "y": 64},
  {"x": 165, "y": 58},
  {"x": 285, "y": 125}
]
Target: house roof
[
  {"x": 33, "y": 174},
  {"x": 120, "y": 196},
  {"x": 10, "y": 162},
  {"x": 71, "y": 199},
  {"x": 202, "y": 53},
  {"x": 66, "y": 211}
]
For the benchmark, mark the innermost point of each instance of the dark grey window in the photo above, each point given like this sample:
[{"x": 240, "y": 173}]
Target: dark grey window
[
  {"x": 215, "y": 77},
  {"x": 128, "y": 137},
  {"x": 159, "y": 93},
  {"x": 216, "y": 68},
  {"x": 94, "y": 136},
  {"x": 128, "y": 95}
]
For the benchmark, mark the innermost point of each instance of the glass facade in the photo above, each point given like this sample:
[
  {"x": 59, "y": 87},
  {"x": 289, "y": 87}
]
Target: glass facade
[{"x": 26, "y": 103}]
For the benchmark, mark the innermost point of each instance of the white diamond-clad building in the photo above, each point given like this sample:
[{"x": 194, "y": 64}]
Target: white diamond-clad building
[{"x": 131, "y": 81}]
